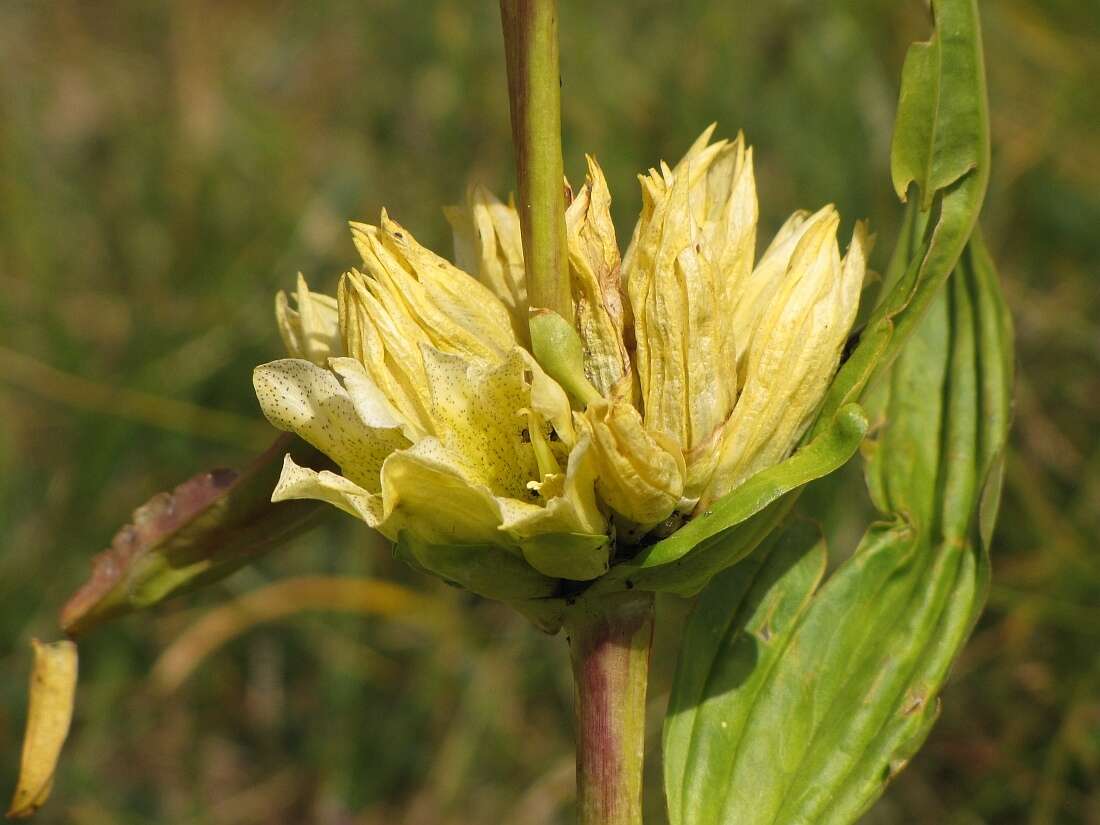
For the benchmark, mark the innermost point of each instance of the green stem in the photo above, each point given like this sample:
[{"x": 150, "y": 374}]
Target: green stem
[
  {"x": 609, "y": 644},
  {"x": 531, "y": 49}
]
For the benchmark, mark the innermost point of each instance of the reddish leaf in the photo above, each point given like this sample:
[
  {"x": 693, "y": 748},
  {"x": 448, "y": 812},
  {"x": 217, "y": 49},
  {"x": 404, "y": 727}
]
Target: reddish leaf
[{"x": 206, "y": 528}]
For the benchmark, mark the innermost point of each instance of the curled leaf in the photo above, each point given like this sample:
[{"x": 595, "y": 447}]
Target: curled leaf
[
  {"x": 342, "y": 594},
  {"x": 941, "y": 114},
  {"x": 49, "y": 713},
  {"x": 941, "y": 141}
]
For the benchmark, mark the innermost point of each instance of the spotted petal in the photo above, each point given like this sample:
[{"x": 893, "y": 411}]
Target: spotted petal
[{"x": 300, "y": 397}]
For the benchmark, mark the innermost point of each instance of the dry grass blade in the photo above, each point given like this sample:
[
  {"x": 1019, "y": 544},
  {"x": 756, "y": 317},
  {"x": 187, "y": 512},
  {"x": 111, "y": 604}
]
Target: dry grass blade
[
  {"x": 277, "y": 601},
  {"x": 32, "y": 375}
]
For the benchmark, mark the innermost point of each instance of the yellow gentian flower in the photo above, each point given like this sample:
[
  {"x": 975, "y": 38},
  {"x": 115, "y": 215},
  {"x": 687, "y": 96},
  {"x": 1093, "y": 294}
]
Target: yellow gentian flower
[{"x": 699, "y": 369}]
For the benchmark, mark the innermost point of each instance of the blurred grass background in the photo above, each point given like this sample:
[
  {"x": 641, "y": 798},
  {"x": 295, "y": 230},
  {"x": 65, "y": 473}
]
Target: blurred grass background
[{"x": 166, "y": 166}]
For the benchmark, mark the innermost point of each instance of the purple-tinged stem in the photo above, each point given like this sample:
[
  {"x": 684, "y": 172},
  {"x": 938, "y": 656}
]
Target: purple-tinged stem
[{"x": 609, "y": 643}]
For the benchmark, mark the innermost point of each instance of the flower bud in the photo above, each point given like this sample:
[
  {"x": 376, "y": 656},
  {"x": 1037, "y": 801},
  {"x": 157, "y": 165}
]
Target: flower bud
[{"x": 691, "y": 250}]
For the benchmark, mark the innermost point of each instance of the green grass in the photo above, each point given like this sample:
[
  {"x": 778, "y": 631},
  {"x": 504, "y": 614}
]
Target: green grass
[{"x": 165, "y": 167}]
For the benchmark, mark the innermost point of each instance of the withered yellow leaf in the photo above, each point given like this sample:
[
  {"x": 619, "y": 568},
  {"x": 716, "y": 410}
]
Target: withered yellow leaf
[{"x": 49, "y": 713}]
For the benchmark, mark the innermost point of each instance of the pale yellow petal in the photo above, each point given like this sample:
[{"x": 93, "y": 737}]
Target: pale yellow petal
[
  {"x": 729, "y": 237},
  {"x": 697, "y": 158},
  {"x": 488, "y": 245},
  {"x": 286, "y": 318},
  {"x": 594, "y": 269},
  {"x": 459, "y": 297},
  {"x": 370, "y": 403},
  {"x": 427, "y": 492},
  {"x": 854, "y": 268},
  {"x": 457, "y": 313},
  {"x": 700, "y": 462},
  {"x": 640, "y": 473},
  {"x": 387, "y": 343},
  {"x": 564, "y": 535},
  {"x": 476, "y": 413},
  {"x": 685, "y": 364},
  {"x": 404, "y": 295},
  {"x": 300, "y": 397},
  {"x": 297, "y": 482},
  {"x": 567, "y": 505},
  {"x": 794, "y": 354},
  {"x": 757, "y": 291},
  {"x": 310, "y": 329}
]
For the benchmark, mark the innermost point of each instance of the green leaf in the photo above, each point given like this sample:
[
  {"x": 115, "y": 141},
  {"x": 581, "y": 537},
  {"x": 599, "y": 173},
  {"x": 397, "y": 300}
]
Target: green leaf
[
  {"x": 941, "y": 140},
  {"x": 941, "y": 115},
  {"x": 736, "y": 634},
  {"x": 684, "y": 562},
  {"x": 949, "y": 587},
  {"x": 205, "y": 529},
  {"x": 813, "y": 728}
]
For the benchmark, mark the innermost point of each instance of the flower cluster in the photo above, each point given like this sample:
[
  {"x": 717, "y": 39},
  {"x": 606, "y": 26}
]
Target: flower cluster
[{"x": 699, "y": 368}]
